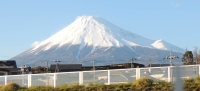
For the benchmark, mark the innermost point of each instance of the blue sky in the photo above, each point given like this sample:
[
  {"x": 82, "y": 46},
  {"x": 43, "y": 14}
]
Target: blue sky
[{"x": 23, "y": 22}]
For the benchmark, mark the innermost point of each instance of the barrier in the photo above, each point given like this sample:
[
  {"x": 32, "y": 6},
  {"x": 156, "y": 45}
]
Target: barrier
[{"x": 101, "y": 76}]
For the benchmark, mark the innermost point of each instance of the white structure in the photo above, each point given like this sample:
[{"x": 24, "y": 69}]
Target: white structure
[{"x": 101, "y": 76}]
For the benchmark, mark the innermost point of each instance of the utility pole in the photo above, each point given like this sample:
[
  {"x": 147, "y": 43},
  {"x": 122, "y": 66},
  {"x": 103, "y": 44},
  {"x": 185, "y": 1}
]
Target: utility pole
[
  {"x": 57, "y": 68},
  {"x": 171, "y": 57},
  {"x": 93, "y": 63},
  {"x": 47, "y": 65},
  {"x": 132, "y": 60}
]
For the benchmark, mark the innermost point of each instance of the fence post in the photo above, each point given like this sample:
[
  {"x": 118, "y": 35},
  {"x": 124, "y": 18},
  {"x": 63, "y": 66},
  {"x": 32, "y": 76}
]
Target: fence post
[
  {"x": 54, "y": 79},
  {"x": 108, "y": 77},
  {"x": 137, "y": 73},
  {"x": 29, "y": 80},
  {"x": 6, "y": 80},
  {"x": 169, "y": 74},
  {"x": 80, "y": 78},
  {"x": 199, "y": 70}
]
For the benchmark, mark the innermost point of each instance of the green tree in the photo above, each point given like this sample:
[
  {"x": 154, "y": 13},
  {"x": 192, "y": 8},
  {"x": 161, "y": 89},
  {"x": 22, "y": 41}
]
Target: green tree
[{"x": 188, "y": 58}]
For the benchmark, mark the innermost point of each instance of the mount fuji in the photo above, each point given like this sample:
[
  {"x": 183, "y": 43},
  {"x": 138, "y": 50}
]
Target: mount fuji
[{"x": 94, "y": 38}]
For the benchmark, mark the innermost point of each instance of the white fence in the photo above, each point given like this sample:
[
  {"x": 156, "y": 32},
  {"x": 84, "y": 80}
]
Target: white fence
[{"x": 101, "y": 76}]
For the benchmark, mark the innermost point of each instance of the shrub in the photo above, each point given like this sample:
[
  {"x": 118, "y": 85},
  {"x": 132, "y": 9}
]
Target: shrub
[
  {"x": 10, "y": 87},
  {"x": 162, "y": 84},
  {"x": 189, "y": 81},
  {"x": 75, "y": 87},
  {"x": 41, "y": 88},
  {"x": 23, "y": 89},
  {"x": 108, "y": 87},
  {"x": 94, "y": 87},
  {"x": 143, "y": 82},
  {"x": 123, "y": 87},
  {"x": 61, "y": 88},
  {"x": 198, "y": 79}
]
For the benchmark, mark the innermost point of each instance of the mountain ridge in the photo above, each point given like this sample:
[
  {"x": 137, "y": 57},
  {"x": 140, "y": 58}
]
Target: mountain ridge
[{"x": 92, "y": 36}]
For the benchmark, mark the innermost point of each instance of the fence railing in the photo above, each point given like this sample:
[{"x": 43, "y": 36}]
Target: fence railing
[{"x": 101, "y": 76}]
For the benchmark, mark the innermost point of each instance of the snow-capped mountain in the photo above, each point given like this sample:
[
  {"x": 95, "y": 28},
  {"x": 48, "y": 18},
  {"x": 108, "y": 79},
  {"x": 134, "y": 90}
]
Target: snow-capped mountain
[
  {"x": 163, "y": 45},
  {"x": 94, "y": 38}
]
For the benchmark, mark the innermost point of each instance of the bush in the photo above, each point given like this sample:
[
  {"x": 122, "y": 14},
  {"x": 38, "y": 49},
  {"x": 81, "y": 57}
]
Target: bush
[
  {"x": 75, "y": 87},
  {"x": 108, "y": 87},
  {"x": 123, "y": 87},
  {"x": 10, "y": 87},
  {"x": 198, "y": 79},
  {"x": 189, "y": 81},
  {"x": 162, "y": 84},
  {"x": 95, "y": 87},
  {"x": 41, "y": 88},
  {"x": 143, "y": 82},
  {"x": 61, "y": 88}
]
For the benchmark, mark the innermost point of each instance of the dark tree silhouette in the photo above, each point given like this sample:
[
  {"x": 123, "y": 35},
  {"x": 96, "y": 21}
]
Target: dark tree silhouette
[{"x": 188, "y": 58}]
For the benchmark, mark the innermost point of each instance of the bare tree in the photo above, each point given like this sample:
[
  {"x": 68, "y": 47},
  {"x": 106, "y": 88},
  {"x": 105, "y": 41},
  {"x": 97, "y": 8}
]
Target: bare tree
[{"x": 195, "y": 52}]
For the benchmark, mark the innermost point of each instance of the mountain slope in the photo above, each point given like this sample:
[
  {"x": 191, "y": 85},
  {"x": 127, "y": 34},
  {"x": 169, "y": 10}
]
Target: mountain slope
[{"x": 93, "y": 38}]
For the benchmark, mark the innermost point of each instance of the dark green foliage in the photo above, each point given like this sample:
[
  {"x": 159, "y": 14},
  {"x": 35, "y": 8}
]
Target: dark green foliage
[{"x": 188, "y": 58}]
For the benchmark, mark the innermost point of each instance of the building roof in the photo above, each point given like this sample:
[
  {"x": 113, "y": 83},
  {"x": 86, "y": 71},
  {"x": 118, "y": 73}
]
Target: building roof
[
  {"x": 66, "y": 66},
  {"x": 8, "y": 64}
]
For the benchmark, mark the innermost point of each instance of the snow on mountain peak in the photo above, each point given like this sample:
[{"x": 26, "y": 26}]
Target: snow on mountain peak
[
  {"x": 94, "y": 38},
  {"x": 85, "y": 30},
  {"x": 163, "y": 45},
  {"x": 159, "y": 44},
  {"x": 96, "y": 32}
]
